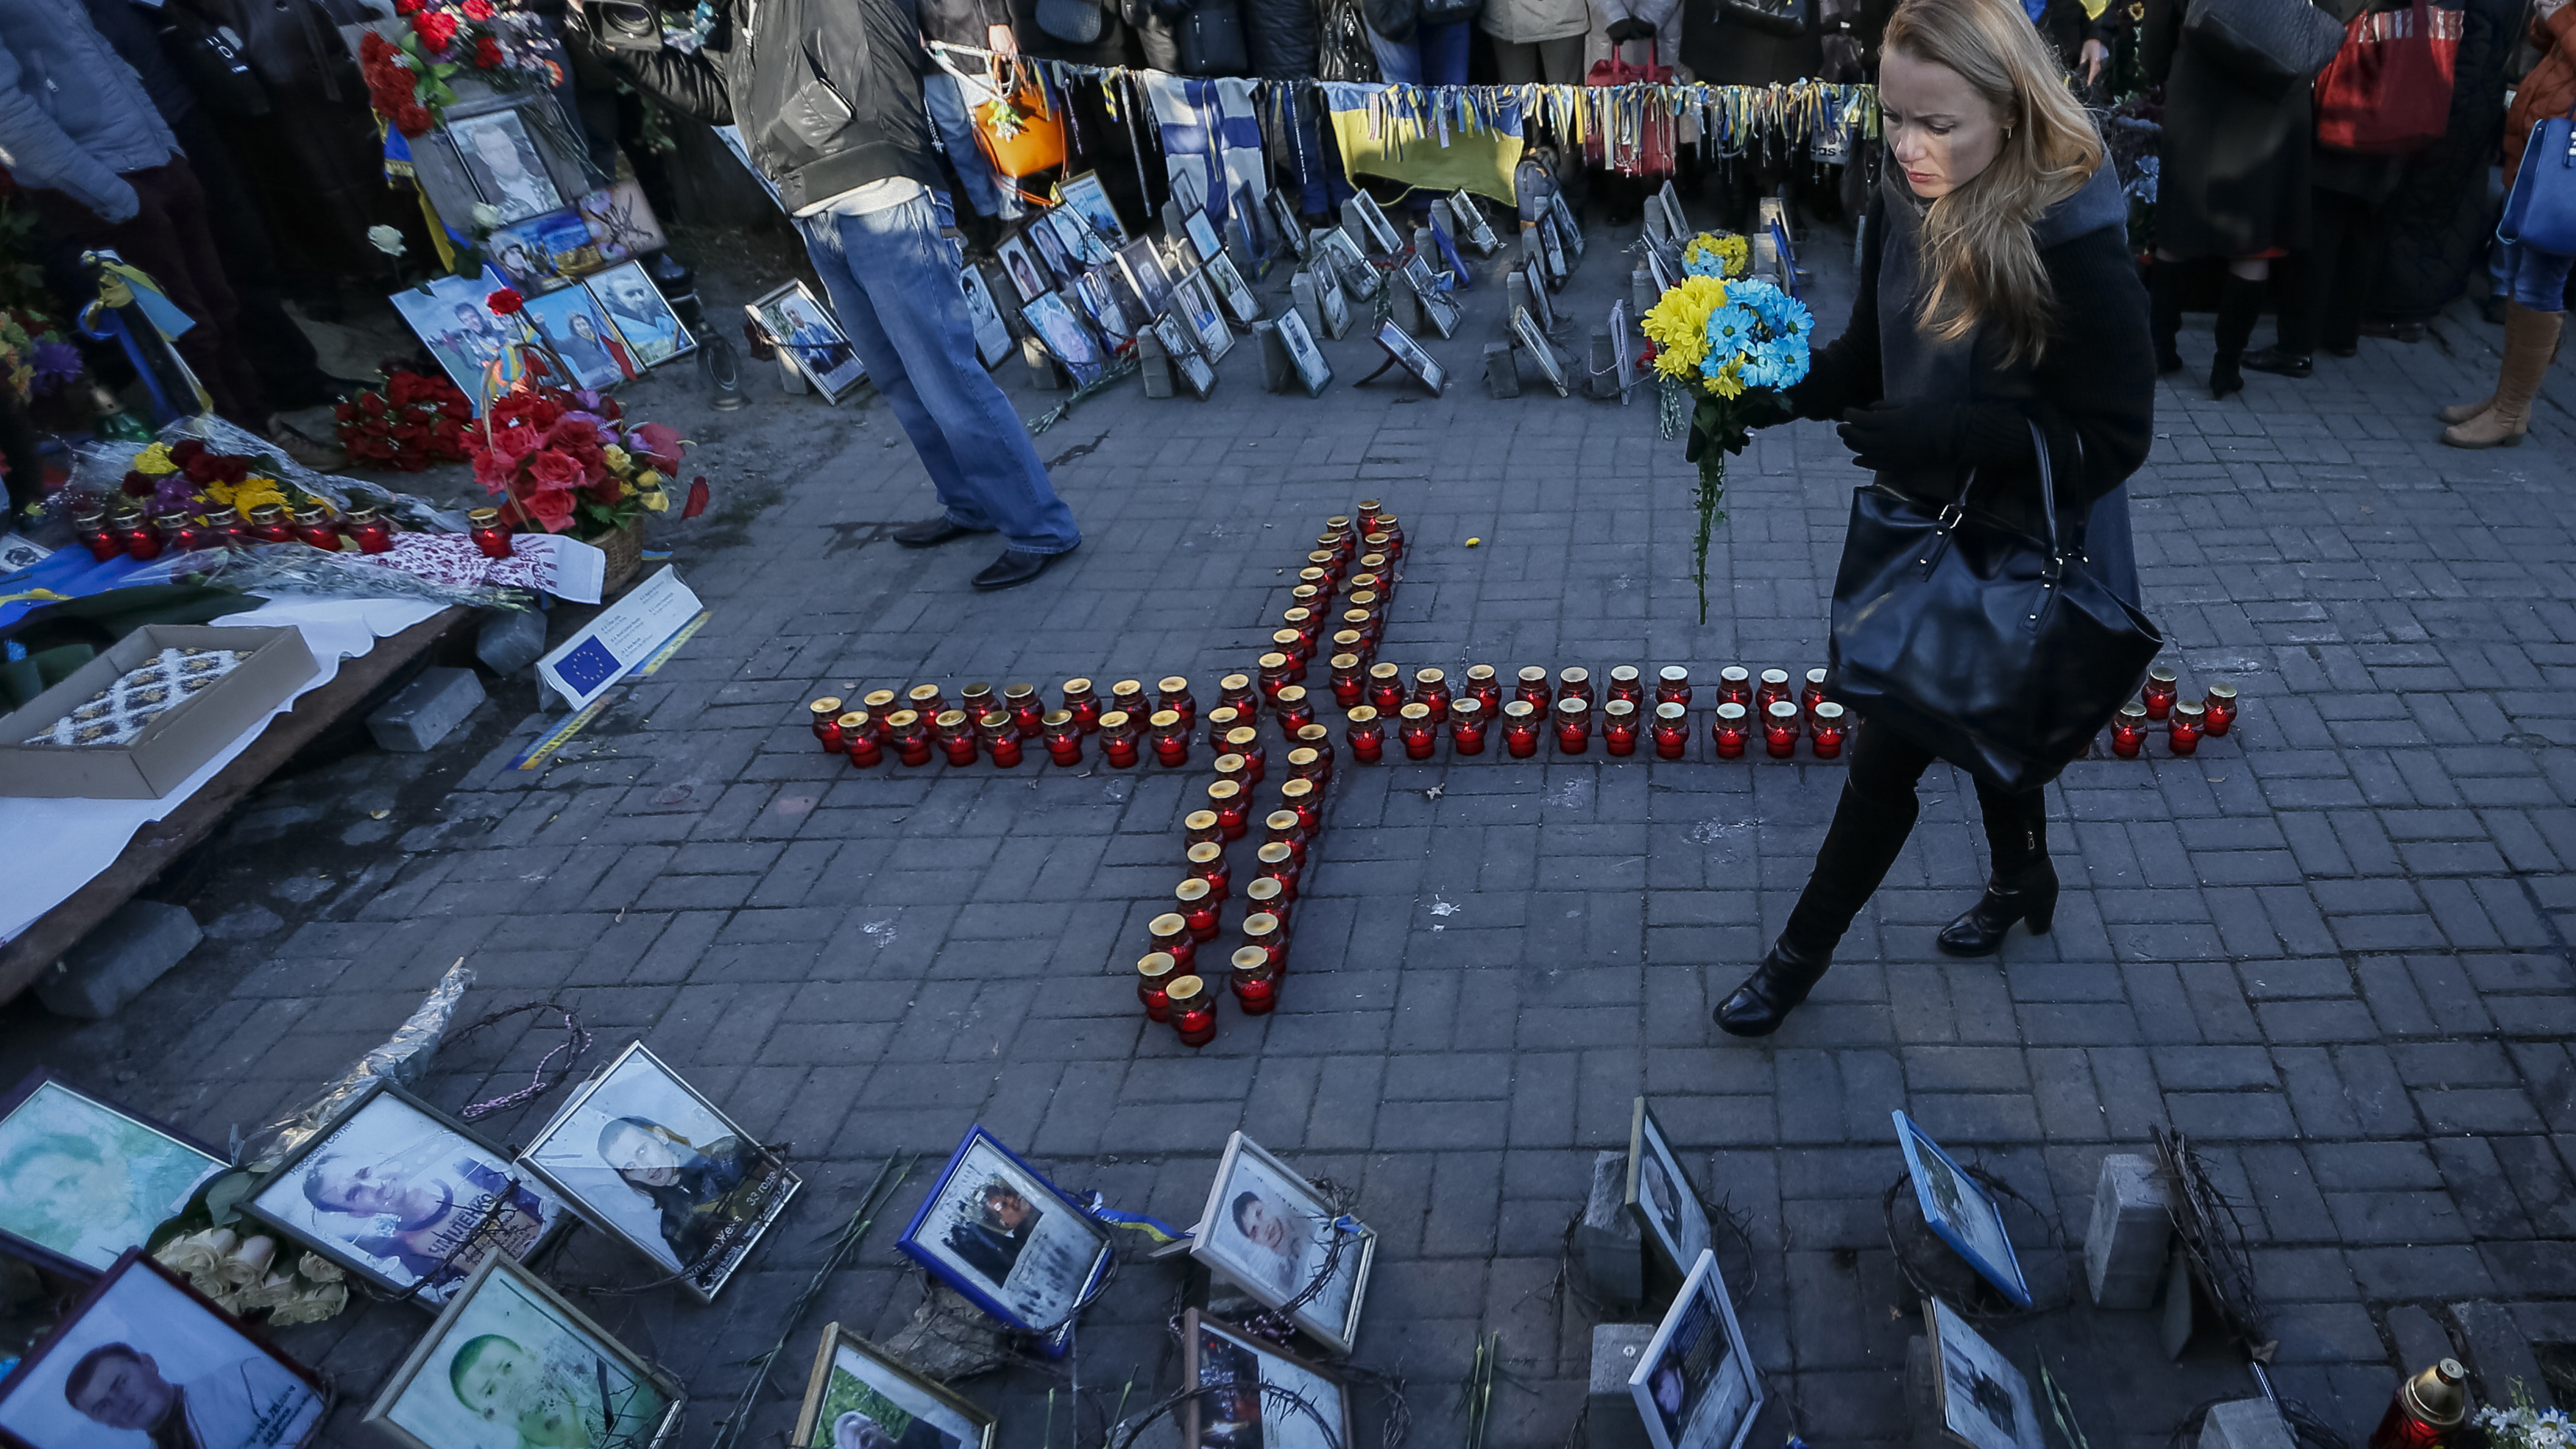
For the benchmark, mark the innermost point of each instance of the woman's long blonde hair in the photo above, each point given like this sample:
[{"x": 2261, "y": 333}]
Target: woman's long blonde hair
[{"x": 1980, "y": 259}]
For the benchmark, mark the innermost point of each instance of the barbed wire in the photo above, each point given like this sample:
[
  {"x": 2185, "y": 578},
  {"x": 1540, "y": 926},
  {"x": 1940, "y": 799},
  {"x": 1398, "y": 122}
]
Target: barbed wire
[
  {"x": 2213, "y": 1241},
  {"x": 1985, "y": 1303},
  {"x": 577, "y": 1039}
]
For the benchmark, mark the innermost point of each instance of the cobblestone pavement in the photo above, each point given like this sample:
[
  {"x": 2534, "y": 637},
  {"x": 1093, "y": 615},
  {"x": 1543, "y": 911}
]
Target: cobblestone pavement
[{"x": 2331, "y": 948}]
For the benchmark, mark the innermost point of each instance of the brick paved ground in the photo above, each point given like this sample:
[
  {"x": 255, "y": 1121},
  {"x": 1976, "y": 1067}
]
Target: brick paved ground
[{"x": 2331, "y": 948}]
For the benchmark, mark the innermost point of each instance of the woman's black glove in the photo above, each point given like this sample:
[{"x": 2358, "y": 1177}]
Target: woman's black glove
[
  {"x": 1901, "y": 435},
  {"x": 1764, "y": 407},
  {"x": 1625, "y": 30}
]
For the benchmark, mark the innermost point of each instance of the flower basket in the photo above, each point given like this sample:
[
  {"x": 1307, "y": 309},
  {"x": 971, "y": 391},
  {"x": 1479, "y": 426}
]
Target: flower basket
[
  {"x": 624, "y": 546},
  {"x": 568, "y": 460}
]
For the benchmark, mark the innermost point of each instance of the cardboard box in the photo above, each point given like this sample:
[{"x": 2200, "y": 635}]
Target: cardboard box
[{"x": 174, "y": 745}]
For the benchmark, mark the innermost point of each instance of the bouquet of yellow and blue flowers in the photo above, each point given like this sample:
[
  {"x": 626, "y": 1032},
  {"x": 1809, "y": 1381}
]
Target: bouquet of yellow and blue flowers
[{"x": 1722, "y": 342}]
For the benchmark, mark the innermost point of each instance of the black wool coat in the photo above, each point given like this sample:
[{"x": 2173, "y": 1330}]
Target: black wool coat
[{"x": 2234, "y": 159}]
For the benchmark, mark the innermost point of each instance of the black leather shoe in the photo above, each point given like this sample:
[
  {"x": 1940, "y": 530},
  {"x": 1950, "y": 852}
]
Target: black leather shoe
[
  {"x": 1014, "y": 568},
  {"x": 2031, "y": 897},
  {"x": 931, "y": 532},
  {"x": 1763, "y": 1002},
  {"x": 2280, "y": 364},
  {"x": 2224, "y": 380}
]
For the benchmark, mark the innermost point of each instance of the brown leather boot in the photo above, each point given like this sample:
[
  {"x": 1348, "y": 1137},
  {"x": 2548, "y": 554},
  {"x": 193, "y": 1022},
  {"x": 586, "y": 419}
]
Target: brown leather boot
[
  {"x": 2462, "y": 412},
  {"x": 2530, "y": 340}
]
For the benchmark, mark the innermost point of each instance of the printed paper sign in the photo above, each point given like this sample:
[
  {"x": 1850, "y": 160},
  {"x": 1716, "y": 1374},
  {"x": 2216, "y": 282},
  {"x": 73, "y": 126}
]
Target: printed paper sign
[{"x": 619, "y": 639}]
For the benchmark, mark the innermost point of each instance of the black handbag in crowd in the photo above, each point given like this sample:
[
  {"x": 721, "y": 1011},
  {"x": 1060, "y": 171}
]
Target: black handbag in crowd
[
  {"x": 1344, "y": 53},
  {"x": 2266, "y": 42},
  {"x": 211, "y": 56},
  {"x": 2001, "y": 653}
]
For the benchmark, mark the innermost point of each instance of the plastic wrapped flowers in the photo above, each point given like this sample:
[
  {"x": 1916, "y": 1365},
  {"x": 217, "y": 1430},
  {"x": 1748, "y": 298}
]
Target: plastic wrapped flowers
[{"x": 244, "y": 1276}]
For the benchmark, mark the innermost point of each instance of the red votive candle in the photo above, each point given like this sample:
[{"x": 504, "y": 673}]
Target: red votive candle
[
  {"x": 1199, "y": 827},
  {"x": 1082, "y": 704},
  {"x": 1278, "y": 671},
  {"x": 1385, "y": 689},
  {"x": 1574, "y": 683},
  {"x": 956, "y": 736},
  {"x": 1672, "y": 730},
  {"x": 1415, "y": 728},
  {"x": 1349, "y": 685},
  {"x": 1295, "y": 710},
  {"x": 1532, "y": 689},
  {"x": 826, "y": 713},
  {"x": 1267, "y": 933},
  {"x": 1276, "y": 865},
  {"x": 370, "y": 533},
  {"x": 1828, "y": 730},
  {"x": 1261, "y": 897},
  {"x": 1171, "y": 933},
  {"x": 1207, "y": 863},
  {"x": 2129, "y": 730},
  {"x": 2161, "y": 692},
  {"x": 1304, "y": 763},
  {"x": 862, "y": 739},
  {"x": 1431, "y": 691},
  {"x": 1812, "y": 695},
  {"x": 1198, "y": 909},
  {"x": 1365, "y": 733},
  {"x": 1063, "y": 737},
  {"x": 1281, "y": 828},
  {"x": 1319, "y": 739},
  {"x": 1775, "y": 688},
  {"x": 1235, "y": 692},
  {"x": 2221, "y": 709},
  {"x": 1485, "y": 689},
  {"x": 909, "y": 733},
  {"x": 1780, "y": 730},
  {"x": 1028, "y": 712},
  {"x": 1573, "y": 726},
  {"x": 1171, "y": 736},
  {"x": 1233, "y": 808},
  {"x": 1735, "y": 686},
  {"x": 1619, "y": 726},
  {"x": 490, "y": 535},
  {"x": 1672, "y": 685},
  {"x": 2182, "y": 735},
  {"x": 1193, "y": 1010},
  {"x": 1625, "y": 684},
  {"x": 1001, "y": 738},
  {"x": 1155, "y": 971},
  {"x": 1731, "y": 731},
  {"x": 1467, "y": 726},
  {"x": 1118, "y": 740},
  {"x": 1520, "y": 729},
  {"x": 1307, "y": 800},
  {"x": 1245, "y": 741},
  {"x": 926, "y": 701},
  {"x": 316, "y": 529},
  {"x": 1255, "y": 982}
]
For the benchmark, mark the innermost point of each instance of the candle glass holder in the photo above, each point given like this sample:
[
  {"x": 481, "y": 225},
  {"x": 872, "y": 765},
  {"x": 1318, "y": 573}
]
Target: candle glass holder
[
  {"x": 1307, "y": 800},
  {"x": 1197, "y": 909},
  {"x": 1364, "y": 516},
  {"x": 1671, "y": 730},
  {"x": 1385, "y": 689},
  {"x": 188, "y": 534},
  {"x": 1812, "y": 695},
  {"x": 1083, "y": 705},
  {"x": 1207, "y": 863},
  {"x": 1305, "y": 764},
  {"x": 141, "y": 537},
  {"x": 1028, "y": 712},
  {"x": 1486, "y": 690},
  {"x": 1295, "y": 710},
  {"x": 926, "y": 701},
  {"x": 1128, "y": 697},
  {"x": 1254, "y": 980},
  {"x": 1431, "y": 691},
  {"x": 1735, "y": 686},
  {"x": 880, "y": 702},
  {"x": 370, "y": 533},
  {"x": 1233, "y": 807},
  {"x": 1261, "y": 897},
  {"x": 1355, "y": 644},
  {"x": 1297, "y": 648},
  {"x": 1350, "y": 686},
  {"x": 909, "y": 733},
  {"x": 1780, "y": 729},
  {"x": 1415, "y": 729},
  {"x": 1235, "y": 692},
  {"x": 1222, "y": 720},
  {"x": 1277, "y": 864},
  {"x": 1280, "y": 827},
  {"x": 1155, "y": 972},
  {"x": 1230, "y": 767},
  {"x": 2161, "y": 692},
  {"x": 1171, "y": 934},
  {"x": 1171, "y": 738},
  {"x": 1619, "y": 727},
  {"x": 268, "y": 524},
  {"x": 1199, "y": 827},
  {"x": 1574, "y": 683},
  {"x": 862, "y": 739},
  {"x": 316, "y": 530},
  {"x": 1731, "y": 731},
  {"x": 1573, "y": 726},
  {"x": 1118, "y": 731},
  {"x": 1365, "y": 733},
  {"x": 826, "y": 724},
  {"x": 1001, "y": 738},
  {"x": 1626, "y": 684},
  {"x": 1319, "y": 739},
  {"x": 2182, "y": 734},
  {"x": 1333, "y": 565},
  {"x": 1245, "y": 741},
  {"x": 1530, "y": 687},
  {"x": 956, "y": 736},
  {"x": 1774, "y": 689},
  {"x": 1828, "y": 729},
  {"x": 1278, "y": 671},
  {"x": 1193, "y": 1008},
  {"x": 2220, "y": 711},
  {"x": 90, "y": 525},
  {"x": 1063, "y": 737},
  {"x": 1673, "y": 686},
  {"x": 1520, "y": 729},
  {"x": 1467, "y": 726},
  {"x": 2129, "y": 730}
]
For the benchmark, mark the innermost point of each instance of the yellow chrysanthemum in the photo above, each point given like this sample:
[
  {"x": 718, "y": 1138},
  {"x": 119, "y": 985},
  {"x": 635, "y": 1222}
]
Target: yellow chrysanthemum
[
  {"x": 155, "y": 460},
  {"x": 1678, "y": 324},
  {"x": 1733, "y": 253},
  {"x": 1729, "y": 382}
]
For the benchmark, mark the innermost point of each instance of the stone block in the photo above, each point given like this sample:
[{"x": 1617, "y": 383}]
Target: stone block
[
  {"x": 1044, "y": 375},
  {"x": 1614, "y": 1422},
  {"x": 1301, "y": 294},
  {"x": 2421, "y": 1340},
  {"x": 1502, "y": 372},
  {"x": 2246, "y": 1424},
  {"x": 1641, "y": 292},
  {"x": 1278, "y": 369},
  {"x": 509, "y": 640},
  {"x": 2498, "y": 1354},
  {"x": 2124, "y": 1248},
  {"x": 1153, "y": 364},
  {"x": 111, "y": 965},
  {"x": 426, "y": 711},
  {"x": 1609, "y": 1247}
]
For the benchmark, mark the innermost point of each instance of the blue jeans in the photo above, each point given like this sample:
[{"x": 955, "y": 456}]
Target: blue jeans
[
  {"x": 986, "y": 192},
  {"x": 1435, "y": 56},
  {"x": 893, "y": 280},
  {"x": 2536, "y": 279}
]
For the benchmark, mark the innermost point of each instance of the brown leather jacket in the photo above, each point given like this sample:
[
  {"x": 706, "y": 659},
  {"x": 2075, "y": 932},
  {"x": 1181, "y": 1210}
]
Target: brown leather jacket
[{"x": 2548, "y": 91}]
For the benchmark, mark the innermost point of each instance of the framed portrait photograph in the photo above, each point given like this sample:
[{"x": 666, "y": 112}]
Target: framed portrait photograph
[
  {"x": 1539, "y": 303},
  {"x": 1357, "y": 276},
  {"x": 992, "y": 334},
  {"x": 1086, "y": 247},
  {"x": 1401, "y": 346},
  {"x": 1203, "y": 238},
  {"x": 144, "y": 1359},
  {"x": 545, "y": 252},
  {"x": 1525, "y": 331},
  {"x": 88, "y": 1180},
  {"x": 1983, "y": 1400},
  {"x": 1332, "y": 304},
  {"x": 1479, "y": 233},
  {"x": 643, "y": 1157},
  {"x": 1181, "y": 345},
  {"x": 1960, "y": 1211},
  {"x": 1438, "y": 308},
  {"x": 406, "y": 1198},
  {"x": 1198, "y": 303},
  {"x": 453, "y": 322},
  {"x": 1565, "y": 227},
  {"x": 1552, "y": 249},
  {"x": 572, "y": 324},
  {"x": 1147, "y": 274},
  {"x": 1661, "y": 271},
  {"x": 1312, "y": 369},
  {"x": 797, "y": 321},
  {"x": 1098, "y": 292},
  {"x": 1051, "y": 250},
  {"x": 1270, "y": 1232},
  {"x": 1695, "y": 1385},
  {"x": 860, "y": 1397},
  {"x": 511, "y": 1365},
  {"x": 1000, "y": 1233},
  {"x": 1236, "y": 1369},
  {"x": 1676, "y": 225},
  {"x": 507, "y": 169},
  {"x": 1065, "y": 338},
  {"x": 1021, "y": 265},
  {"x": 1381, "y": 232},
  {"x": 1660, "y": 1196},
  {"x": 653, "y": 333},
  {"x": 1283, "y": 220},
  {"x": 621, "y": 222},
  {"x": 1232, "y": 290},
  {"x": 1086, "y": 195},
  {"x": 1245, "y": 216}
]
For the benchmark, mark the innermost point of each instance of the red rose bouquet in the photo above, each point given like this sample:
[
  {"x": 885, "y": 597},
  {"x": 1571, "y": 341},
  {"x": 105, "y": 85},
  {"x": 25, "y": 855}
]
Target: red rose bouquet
[
  {"x": 409, "y": 423},
  {"x": 407, "y": 81},
  {"x": 568, "y": 461}
]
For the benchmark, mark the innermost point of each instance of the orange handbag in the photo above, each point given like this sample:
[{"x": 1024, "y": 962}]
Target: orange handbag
[{"x": 1019, "y": 132}]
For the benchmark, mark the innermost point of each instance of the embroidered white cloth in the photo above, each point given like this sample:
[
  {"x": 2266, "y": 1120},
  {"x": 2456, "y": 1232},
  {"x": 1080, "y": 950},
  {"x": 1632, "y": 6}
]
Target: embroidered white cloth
[{"x": 539, "y": 562}]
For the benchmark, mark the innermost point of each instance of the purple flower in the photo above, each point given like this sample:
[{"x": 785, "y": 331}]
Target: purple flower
[
  {"x": 56, "y": 363},
  {"x": 589, "y": 399},
  {"x": 173, "y": 494}
]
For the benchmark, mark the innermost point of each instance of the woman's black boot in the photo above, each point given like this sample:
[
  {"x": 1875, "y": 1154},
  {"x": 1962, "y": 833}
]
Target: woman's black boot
[
  {"x": 2023, "y": 886},
  {"x": 1859, "y": 847},
  {"x": 2240, "y": 304},
  {"x": 2166, "y": 298}
]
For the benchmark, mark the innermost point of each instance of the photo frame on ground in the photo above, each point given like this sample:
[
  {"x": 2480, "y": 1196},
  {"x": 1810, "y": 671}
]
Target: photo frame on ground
[
  {"x": 1479, "y": 232},
  {"x": 861, "y": 1397},
  {"x": 1066, "y": 338},
  {"x": 646, "y": 1159},
  {"x": 994, "y": 1229},
  {"x": 1233, "y": 291},
  {"x": 1269, "y": 1232},
  {"x": 1981, "y": 1399},
  {"x": 1623, "y": 353},
  {"x": 1197, "y": 302},
  {"x": 1656, "y": 268},
  {"x": 1086, "y": 247},
  {"x": 1357, "y": 275},
  {"x": 1553, "y": 248},
  {"x": 1021, "y": 265},
  {"x": 1098, "y": 292},
  {"x": 545, "y": 252},
  {"x": 88, "y": 1179},
  {"x": 1676, "y": 225},
  {"x": 459, "y": 329},
  {"x": 405, "y": 1198},
  {"x": 1249, "y": 1387},
  {"x": 1152, "y": 281},
  {"x": 1202, "y": 234},
  {"x": 1525, "y": 331},
  {"x": 1332, "y": 304},
  {"x": 144, "y": 1353},
  {"x": 1572, "y": 234},
  {"x": 1382, "y": 234},
  {"x": 992, "y": 334},
  {"x": 635, "y": 306},
  {"x": 1189, "y": 362},
  {"x": 1283, "y": 220},
  {"x": 1545, "y": 310},
  {"x": 511, "y": 1364},
  {"x": 1659, "y": 1194},
  {"x": 1438, "y": 308},
  {"x": 798, "y": 322},
  {"x": 572, "y": 323},
  {"x": 1042, "y": 235},
  {"x": 1960, "y": 1211},
  {"x": 1409, "y": 354},
  {"x": 1303, "y": 354},
  {"x": 1085, "y": 194},
  {"x": 1696, "y": 1385},
  {"x": 508, "y": 170}
]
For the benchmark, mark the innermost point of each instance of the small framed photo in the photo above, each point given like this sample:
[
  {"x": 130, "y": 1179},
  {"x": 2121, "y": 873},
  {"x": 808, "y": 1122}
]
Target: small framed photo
[
  {"x": 1203, "y": 239},
  {"x": 1539, "y": 303},
  {"x": 145, "y": 1359},
  {"x": 1552, "y": 248},
  {"x": 1401, "y": 346},
  {"x": 1332, "y": 304},
  {"x": 453, "y": 322},
  {"x": 545, "y": 252},
  {"x": 1255, "y": 1392},
  {"x": 511, "y": 1365},
  {"x": 635, "y": 306},
  {"x": 1097, "y": 291},
  {"x": 1382, "y": 235},
  {"x": 1233, "y": 291},
  {"x": 647, "y": 1160},
  {"x": 1084, "y": 245},
  {"x": 992, "y": 334},
  {"x": 405, "y": 1198},
  {"x": 1676, "y": 225},
  {"x": 1269, "y": 1231},
  {"x": 1565, "y": 227},
  {"x": 572, "y": 324},
  {"x": 88, "y": 1180},
  {"x": 1983, "y": 1400},
  {"x": 1659, "y": 270},
  {"x": 1358, "y": 277},
  {"x": 1438, "y": 308},
  {"x": 1000, "y": 1233},
  {"x": 1960, "y": 1211},
  {"x": 1695, "y": 1385},
  {"x": 1085, "y": 194},
  {"x": 1312, "y": 369},
  {"x": 1022, "y": 265},
  {"x": 1660, "y": 1196},
  {"x": 1147, "y": 274},
  {"x": 1472, "y": 224},
  {"x": 1283, "y": 220},
  {"x": 1042, "y": 235},
  {"x": 1065, "y": 338},
  {"x": 797, "y": 321},
  {"x": 861, "y": 1397},
  {"x": 504, "y": 162},
  {"x": 1526, "y": 332},
  {"x": 1188, "y": 361},
  {"x": 1623, "y": 352},
  {"x": 621, "y": 222},
  {"x": 1245, "y": 213},
  {"x": 1198, "y": 304}
]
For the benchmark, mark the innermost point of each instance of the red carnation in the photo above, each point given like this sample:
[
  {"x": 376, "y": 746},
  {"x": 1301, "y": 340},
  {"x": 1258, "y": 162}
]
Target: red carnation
[
  {"x": 373, "y": 49},
  {"x": 477, "y": 9},
  {"x": 435, "y": 28},
  {"x": 487, "y": 53},
  {"x": 412, "y": 119},
  {"x": 505, "y": 302}
]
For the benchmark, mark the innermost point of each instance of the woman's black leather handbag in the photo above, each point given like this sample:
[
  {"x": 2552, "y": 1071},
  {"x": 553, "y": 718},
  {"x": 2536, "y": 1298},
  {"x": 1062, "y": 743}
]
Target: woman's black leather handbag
[
  {"x": 2264, "y": 42},
  {"x": 2001, "y": 653}
]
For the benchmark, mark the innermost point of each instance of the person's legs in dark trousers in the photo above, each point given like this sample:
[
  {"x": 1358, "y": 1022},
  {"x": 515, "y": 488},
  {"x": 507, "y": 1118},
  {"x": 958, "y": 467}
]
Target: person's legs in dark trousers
[
  {"x": 2360, "y": 237},
  {"x": 169, "y": 239},
  {"x": 18, "y": 443},
  {"x": 1444, "y": 50},
  {"x": 893, "y": 281},
  {"x": 2021, "y": 886},
  {"x": 276, "y": 348}
]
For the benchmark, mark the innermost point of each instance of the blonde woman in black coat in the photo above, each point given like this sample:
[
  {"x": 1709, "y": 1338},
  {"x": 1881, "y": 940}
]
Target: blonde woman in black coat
[{"x": 1996, "y": 293}]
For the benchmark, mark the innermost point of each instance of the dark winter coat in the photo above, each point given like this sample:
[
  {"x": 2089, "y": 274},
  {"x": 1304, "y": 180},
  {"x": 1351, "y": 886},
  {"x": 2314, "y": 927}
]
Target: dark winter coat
[
  {"x": 2440, "y": 222},
  {"x": 2234, "y": 159},
  {"x": 2092, "y": 391}
]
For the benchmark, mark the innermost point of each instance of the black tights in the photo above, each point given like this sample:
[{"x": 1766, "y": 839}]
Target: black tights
[{"x": 1885, "y": 767}]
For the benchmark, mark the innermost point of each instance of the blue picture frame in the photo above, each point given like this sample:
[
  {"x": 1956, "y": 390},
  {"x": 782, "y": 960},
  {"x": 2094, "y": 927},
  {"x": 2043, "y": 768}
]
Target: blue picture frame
[
  {"x": 979, "y": 1162},
  {"x": 1960, "y": 1212}
]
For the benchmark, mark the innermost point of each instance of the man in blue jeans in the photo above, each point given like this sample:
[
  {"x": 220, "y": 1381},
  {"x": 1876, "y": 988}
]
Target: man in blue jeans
[{"x": 827, "y": 94}]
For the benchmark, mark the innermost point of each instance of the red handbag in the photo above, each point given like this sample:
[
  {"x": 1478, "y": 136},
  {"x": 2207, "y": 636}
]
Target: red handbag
[
  {"x": 1653, "y": 149},
  {"x": 2387, "y": 92}
]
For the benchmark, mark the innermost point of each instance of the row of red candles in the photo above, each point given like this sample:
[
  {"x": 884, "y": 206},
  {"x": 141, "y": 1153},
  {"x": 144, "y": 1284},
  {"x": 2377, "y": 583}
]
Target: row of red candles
[
  {"x": 2186, "y": 721},
  {"x": 132, "y": 533}
]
